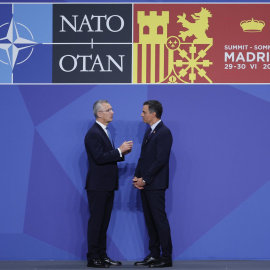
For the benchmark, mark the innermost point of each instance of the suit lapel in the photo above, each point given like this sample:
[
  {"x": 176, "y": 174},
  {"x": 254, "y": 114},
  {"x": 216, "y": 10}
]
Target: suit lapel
[
  {"x": 103, "y": 133},
  {"x": 153, "y": 133}
]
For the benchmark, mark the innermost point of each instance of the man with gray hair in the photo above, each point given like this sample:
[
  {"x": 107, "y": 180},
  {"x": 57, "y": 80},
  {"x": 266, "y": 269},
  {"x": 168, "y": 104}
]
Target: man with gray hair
[{"x": 101, "y": 182}]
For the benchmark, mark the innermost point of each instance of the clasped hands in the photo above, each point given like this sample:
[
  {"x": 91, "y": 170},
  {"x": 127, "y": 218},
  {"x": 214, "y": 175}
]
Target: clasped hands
[
  {"x": 126, "y": 147},
  {"x": 138, "y": 183}
]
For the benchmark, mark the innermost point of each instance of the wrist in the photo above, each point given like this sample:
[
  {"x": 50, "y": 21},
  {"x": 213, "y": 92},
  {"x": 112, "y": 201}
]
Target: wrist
[{"x": 120, "y": 152}]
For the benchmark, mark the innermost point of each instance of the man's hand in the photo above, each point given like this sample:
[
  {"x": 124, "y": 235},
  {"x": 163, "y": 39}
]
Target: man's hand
[
  {"x": 138, "y": 183},
  {"x": 126, "y": 147}
]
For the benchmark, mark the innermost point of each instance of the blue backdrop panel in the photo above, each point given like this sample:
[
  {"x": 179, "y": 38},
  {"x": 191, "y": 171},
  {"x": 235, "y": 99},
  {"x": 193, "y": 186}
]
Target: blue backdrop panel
[
  {"x": 24, "y": 247},
  {"x": 242, "y": 234},
  {"x": 219, "y": 170},
  {"x": 16, "y": 138},
  {"x": 220, "y": 155}
]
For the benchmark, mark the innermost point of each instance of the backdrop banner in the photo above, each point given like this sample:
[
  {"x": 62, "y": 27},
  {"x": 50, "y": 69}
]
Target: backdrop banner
[{"x": 134, "y": 43}]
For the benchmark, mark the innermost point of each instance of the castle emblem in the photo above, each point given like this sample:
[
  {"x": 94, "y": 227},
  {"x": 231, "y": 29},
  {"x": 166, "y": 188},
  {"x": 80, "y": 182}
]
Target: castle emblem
[{"x": 159, "y": 58}]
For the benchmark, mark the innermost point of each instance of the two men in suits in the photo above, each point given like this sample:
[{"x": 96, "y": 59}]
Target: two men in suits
[
  {"x": 152, "y": 179},
  {"x": 101, "y": 182}
]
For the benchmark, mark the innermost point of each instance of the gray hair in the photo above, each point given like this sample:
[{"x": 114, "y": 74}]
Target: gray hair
[{"x": 97, "y": 106}]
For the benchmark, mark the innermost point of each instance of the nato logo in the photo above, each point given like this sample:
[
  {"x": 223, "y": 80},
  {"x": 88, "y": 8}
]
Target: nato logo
[
  {"x": 13, "y": 44},
  {"x": 25, "y": 43}
]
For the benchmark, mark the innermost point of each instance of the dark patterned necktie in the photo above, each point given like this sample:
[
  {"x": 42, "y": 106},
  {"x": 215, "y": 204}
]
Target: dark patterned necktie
[{"x": 149, "y": 135}]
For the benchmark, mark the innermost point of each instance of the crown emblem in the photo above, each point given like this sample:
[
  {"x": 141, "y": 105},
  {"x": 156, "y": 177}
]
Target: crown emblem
[{"x": 252, "y": 25}]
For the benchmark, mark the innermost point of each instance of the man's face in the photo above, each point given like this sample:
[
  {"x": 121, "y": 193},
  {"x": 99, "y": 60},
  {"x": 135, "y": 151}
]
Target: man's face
[
  {"x": 147, "y": 116},
  {"x": 105, "y": 113}
]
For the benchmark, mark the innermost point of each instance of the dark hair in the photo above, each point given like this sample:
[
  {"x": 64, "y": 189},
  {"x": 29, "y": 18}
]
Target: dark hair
[{"x": 154, "y": 106}]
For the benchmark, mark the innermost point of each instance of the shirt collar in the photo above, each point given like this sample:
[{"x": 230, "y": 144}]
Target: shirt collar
[
  {"x": 102, "y": 125},
  {"x": 155, "y": 125}
]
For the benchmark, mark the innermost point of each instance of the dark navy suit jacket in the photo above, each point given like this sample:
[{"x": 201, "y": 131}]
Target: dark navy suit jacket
[
  {"x": 102, "y": 157},
  {"x": 153, "y": 164}
]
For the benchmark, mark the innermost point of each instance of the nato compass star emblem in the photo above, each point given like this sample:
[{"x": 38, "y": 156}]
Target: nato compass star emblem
[{"x": 14, "y": 43}]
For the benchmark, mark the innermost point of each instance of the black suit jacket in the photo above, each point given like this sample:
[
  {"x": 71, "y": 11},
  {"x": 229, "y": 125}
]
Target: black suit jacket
[
  {"x": 103, "y": 171},
  {"x": 153, "y": 164}
]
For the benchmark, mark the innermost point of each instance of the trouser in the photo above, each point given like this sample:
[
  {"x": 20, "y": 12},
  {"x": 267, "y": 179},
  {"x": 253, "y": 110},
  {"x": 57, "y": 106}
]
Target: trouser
[
  {"x": 100, "y": 206},
  {"x": 153, "y": 202}
]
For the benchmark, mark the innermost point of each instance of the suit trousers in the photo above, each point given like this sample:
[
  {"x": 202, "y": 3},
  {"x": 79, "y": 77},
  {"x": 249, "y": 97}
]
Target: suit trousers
[
  {"x": 153, "y": 202},
  {"x": 100, "y": 206}
]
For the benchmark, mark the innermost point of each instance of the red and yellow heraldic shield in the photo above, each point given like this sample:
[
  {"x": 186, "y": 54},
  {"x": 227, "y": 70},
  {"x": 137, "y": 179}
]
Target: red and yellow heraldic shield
[{"x": 201, "y": 43}]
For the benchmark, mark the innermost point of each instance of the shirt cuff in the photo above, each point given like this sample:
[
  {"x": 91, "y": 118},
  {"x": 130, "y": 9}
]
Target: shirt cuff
[{"x": 119, "y": 152}]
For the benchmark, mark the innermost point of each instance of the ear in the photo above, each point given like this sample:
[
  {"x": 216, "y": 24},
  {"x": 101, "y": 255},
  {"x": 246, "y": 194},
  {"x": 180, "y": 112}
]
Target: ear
[{"x": 99, "y": 114}]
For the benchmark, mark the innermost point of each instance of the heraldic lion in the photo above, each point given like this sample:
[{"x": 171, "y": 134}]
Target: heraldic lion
[{"x": 198, "y": 28}]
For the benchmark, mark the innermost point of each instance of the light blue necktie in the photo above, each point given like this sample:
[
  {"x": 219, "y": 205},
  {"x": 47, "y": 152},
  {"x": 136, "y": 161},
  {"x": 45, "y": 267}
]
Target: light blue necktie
[{"x": 110, "y": 136}]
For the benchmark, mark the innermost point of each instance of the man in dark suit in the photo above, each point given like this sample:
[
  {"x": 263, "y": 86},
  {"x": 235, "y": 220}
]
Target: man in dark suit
[
  {"x": 152, "y": 178},
  {"x": 101, "y": 182}
]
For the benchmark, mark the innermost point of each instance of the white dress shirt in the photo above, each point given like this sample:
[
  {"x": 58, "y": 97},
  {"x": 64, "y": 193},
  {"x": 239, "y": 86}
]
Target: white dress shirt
[
  {"x": 154, "y": 125},
  {"x": 105, "y": 130}
]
